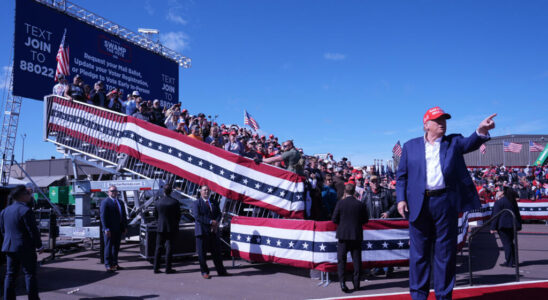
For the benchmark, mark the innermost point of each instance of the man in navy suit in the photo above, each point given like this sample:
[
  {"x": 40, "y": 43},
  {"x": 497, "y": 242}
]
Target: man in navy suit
[
  {"x": 21, "y": 239},
  {"x": 207, "y": 215},
  {"x": 167, "y": 212},
  {"x": 433, "y": 186},
  {"x": 114, "y": 221}
]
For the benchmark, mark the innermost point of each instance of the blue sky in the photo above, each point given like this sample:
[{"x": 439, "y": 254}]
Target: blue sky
[{"x": 346, "y": 77}]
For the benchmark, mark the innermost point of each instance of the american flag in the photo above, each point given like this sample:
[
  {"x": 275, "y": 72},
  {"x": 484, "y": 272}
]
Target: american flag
[
  {"x": 228, "y": 174},
  {"x": 62, "y": 59},
  {"x": 512, "y": 147},
  {"x": 397, "y": 149},
  {"x": 483, "y": 149},
  {"x": 535, "y": 147},
  {"x": 248, "y": 120}
]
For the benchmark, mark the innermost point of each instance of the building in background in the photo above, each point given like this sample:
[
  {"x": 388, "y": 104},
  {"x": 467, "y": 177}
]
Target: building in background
[{"x": 495, "y": 154}]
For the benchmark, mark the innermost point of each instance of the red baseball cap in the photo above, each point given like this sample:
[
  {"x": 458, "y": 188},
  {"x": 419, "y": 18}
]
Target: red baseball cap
[
  {"x": 271, "y": 136},
  {"x": 435, "y": 113}
]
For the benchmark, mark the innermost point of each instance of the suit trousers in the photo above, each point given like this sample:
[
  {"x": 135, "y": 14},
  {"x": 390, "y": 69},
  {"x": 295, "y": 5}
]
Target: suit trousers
[
  {"x": 435, "y": 231},
  {"x": 164, "y": 240},
  {"x": 209, "y": 242},
  {"x": 112, "y": 247},
  {"x": 507, "y": 238},
  {"x": 26, "y": 260},
  {"x": 355, "y": 249}
]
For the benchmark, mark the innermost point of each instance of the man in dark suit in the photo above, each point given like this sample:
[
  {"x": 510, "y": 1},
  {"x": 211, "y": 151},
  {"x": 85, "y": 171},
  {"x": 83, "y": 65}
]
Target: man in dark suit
[
  {"x": 504, "y": 224},
  {"x": 207, "y": 215},
  {"x": 168, "y": 214},
  {"x": 432, "y": 187},
  {"x": 350, "y": 214},
  {"x": 21, "y": 239},
  {"x": 114, "y": 221}
]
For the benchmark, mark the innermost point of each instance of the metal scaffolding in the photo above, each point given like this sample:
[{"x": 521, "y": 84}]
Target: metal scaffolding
[{"x": 10, "y": 121}]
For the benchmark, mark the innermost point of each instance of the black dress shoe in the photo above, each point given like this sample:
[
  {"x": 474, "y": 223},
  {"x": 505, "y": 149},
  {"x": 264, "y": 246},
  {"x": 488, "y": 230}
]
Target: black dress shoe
[
  {"x": 170, "y": 271},
  {"x": 157, "y": 271},
  {"x": 344, "y": 288},
  {"x": 117, "y": 267}
]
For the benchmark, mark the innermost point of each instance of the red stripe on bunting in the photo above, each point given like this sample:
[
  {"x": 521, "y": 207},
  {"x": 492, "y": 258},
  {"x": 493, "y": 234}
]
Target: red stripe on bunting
[
  {"x": 98, "y": 112},
  {"x": 229, "y": 156},
  {"x": 84, "y": 137},
  {"x": 212, "y": 185}
]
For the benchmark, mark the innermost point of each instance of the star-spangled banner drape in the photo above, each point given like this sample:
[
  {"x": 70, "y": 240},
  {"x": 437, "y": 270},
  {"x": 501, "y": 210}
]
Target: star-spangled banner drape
[
  {"x": 313, "y": 245},
  {"x": 228, "y": 174}
]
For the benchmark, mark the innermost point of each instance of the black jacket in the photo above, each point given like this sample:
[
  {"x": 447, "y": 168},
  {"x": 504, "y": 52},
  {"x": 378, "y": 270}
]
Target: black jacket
[
  {"x": 350, "y": 214},
  {"x": 98, "y": 97},
  {"x": 168, "y": 214},
  {"x": 18, "y": 228},
  {"x": 505, "y": 220}
]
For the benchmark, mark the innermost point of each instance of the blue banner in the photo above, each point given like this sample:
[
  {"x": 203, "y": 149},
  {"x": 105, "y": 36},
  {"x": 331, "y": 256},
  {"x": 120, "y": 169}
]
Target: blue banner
[{"x": 94, "y": 54}]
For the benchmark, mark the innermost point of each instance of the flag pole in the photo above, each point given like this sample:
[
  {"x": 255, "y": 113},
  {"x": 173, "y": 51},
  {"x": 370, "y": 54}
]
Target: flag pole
[
  {"x": 529, "y": 154},
  {"x": 503, "y": 156}
]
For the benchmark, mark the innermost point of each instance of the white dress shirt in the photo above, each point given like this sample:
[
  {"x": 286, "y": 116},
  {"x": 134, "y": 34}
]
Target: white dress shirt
[{"x": 434, "y": 176}]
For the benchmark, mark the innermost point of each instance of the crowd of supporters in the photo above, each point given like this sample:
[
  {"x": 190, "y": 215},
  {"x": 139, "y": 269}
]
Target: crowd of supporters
[
  {"x": 326, "y": 177},
  {"x": 530, "y": 183}
]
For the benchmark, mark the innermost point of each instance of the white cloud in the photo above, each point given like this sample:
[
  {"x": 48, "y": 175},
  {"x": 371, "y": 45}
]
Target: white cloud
[
  {"x": 174, "y": 14},
  {"x": 175, "y": 18},
  {"x": 148, "y": 8},
  {"x": 177, "y": 41},
  {"x": 334, "y": 56},
  {"x": 5, "y": 77}
]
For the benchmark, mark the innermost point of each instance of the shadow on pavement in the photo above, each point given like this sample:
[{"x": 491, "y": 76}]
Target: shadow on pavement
[
  {"x": 122, "y": 297},
  {"x": 533, "y": 262},
  {"x": 487, "y": 279},
  {"x": 63, "y": 278},
  {"x": 485, "y": 253}
]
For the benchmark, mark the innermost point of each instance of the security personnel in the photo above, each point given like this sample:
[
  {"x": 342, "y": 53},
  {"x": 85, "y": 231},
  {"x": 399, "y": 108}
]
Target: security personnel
[
  {"x": 168, "y": 214},
  {"x": 350, "y": 214},
  {"x": 21, "y": 239}
]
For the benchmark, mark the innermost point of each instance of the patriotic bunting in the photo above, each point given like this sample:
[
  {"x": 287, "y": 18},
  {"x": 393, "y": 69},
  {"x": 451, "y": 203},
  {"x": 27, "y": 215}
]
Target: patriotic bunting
[
  {"x": 228, "y": 174},
  {"x": 313, "y": 245}
]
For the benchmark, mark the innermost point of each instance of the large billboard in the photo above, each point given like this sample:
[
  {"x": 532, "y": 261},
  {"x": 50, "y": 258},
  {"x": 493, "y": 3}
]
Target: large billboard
[{"x": 94, "y": 54}]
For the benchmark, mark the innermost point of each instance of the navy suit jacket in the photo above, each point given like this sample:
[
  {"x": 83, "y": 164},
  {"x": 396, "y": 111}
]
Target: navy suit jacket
[
  {"x": 111, "y": 218},
  {"x": 203, "y": 215},
  {"x": 18, "y": 227},
  {"x": 505, "y": 220},
  {"x": 350, "y": 214},
  {"x": 411, "y": 175}
]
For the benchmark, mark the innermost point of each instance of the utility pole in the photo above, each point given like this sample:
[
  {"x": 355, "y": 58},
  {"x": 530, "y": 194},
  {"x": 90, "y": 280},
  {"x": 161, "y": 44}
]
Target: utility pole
[{"x": 23, "y": 136}]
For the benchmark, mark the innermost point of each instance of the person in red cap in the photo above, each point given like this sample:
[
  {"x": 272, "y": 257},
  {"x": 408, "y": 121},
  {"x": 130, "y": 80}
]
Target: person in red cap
[{"x": 432, "y": 187}]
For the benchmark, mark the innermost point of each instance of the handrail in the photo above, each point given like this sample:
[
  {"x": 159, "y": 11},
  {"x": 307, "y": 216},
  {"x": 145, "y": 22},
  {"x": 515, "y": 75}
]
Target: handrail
[{"x": 492, "y": 219}]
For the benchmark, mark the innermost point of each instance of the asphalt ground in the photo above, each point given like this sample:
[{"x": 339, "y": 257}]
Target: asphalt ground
[{"x": 79, "y": 275}]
